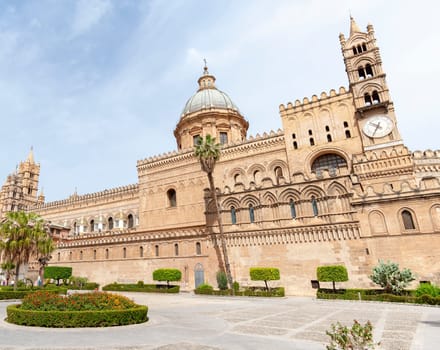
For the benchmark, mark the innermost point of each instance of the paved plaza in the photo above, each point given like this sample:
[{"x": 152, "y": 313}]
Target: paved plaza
[{"x": 188, "y": 321}]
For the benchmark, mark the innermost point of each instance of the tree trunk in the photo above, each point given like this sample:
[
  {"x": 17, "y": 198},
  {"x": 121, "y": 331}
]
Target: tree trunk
[
  {"x": 334, "y": 287},
  {"x": 222, "y": 234},
  {"x": 17, "y": 269}
]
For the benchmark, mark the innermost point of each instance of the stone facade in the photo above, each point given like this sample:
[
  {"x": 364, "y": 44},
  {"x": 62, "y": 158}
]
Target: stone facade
[{"x": 335, "y": 186}]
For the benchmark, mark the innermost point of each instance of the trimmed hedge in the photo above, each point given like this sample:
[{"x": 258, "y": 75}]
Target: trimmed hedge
[
  {"x": 57, "y": 272},
  {"x": 335, "y": 273},
  {"x": 69, "y": 319},
  {"x": 145, "y": 288},
  {"x": 264, "y": 273},
  {"x": 274, "y": 292},
  {"x": 86, "y": 286},
  {"x": 376, "y": 295},
  {"x": 167, "y": 275},
  {"x": 21, "y": 293}
]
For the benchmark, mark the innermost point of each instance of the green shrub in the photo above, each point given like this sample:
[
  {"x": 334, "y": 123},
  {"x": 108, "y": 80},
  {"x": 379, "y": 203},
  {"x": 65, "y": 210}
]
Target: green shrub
[
  {"x": 390, "y": 278},
  {"x": 222, "y": 280},
  {"x": 140, "y": 283},
  {"x": 332, "y": 273},
  {"x": 356, "y": 337},
  {"x": 146, "y": 288},
  {"x": 264, "y": 274},
  {"x": 57, "y": 272},
  {"x": 167, "y": 275},
  {"x": 236, "y": 286},
  {"x": 428, "y": 289},
  {"x": 89, "y": 318},
  {"x": 204, "y": 289}
]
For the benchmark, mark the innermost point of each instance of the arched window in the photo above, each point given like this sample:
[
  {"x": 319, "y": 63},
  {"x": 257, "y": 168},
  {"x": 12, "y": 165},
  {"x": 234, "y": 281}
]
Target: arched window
[
  {"x": 172, "y": 200},
  {"x": 367, "y": 99},
  {"x": 233, "y": 216},
  {"x": 94, "y": 254},
  {"x": 359, "y": 47},
  {"x": 329, "y": 138},
  {"x": 376, "y": 98},
  {"x": 354, "y": 50},
  {"x": 408, "y": 222},
  {"x": 328, "y": 162},
  {"x": 176, "y": 249},
  {"x": 106, "y": 254},
  {"x": 315, "y": 207},
  {"x": 223, "y": 138},
  {"x": 198, "y": 248},
  {"x": 364, "y": 47},
  {"x": 130, "y": 221},
  {"x": 251, "y": 213},
  {"x": 312, "y": 141},
  {"x": 292, "y": 209},
  {"x": 278, "y": 174},
  {"x": 124, "y": 252},
  {"x": 345, "y": 124},
  {"x": 156, "y": 250},
  {"x": 361, "y": 73},
  {"x": 70, "y": 256},
  {"x": 110, "y": 223},
  {"x": 92, "y": 225},
  {"x": 295, "y": 145},
  {"x": 141, "y": 252},
  {"x": 368, "y": 70},
  {"x": 80, "y": 255},
  {"x": 347, "y": 134},
  {"x": 59, "y": 256},
  {"x": 196, "y": 139}
]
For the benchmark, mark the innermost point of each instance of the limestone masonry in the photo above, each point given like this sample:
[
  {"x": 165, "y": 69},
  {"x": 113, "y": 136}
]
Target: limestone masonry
[{"x": 335, "y": 186}]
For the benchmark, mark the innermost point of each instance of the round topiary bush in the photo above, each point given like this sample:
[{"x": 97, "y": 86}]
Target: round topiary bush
[{"x": 96, "y": 309}]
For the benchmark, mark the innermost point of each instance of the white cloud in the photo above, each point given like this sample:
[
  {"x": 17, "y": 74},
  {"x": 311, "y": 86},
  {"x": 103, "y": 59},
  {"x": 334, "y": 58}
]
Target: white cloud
[{"x": 88, "y": 13}]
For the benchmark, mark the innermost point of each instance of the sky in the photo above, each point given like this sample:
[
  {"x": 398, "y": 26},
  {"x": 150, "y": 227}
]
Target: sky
[{"x": 95, "y": 85}]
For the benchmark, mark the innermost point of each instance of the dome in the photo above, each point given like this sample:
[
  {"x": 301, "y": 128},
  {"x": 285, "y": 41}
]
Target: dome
[
  {"x": 208, "y": 96},
  {"x": 207, "y": 99}
]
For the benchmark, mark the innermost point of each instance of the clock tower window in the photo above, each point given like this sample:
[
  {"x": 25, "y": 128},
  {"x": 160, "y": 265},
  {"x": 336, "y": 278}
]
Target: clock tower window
[{"x": 376, "y": 98}]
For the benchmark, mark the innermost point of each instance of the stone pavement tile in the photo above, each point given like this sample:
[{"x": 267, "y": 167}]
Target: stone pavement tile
[
  {"x": 259, "y": 330},
  {"x": 235, "y": 319},
  {"x": 289, "y": 324},
  {"x": 394, "y": 344},
  {"x": 312, "y": 335},
  {"x": 405, "y": 336},
  {"x": 186, "y": 346}
]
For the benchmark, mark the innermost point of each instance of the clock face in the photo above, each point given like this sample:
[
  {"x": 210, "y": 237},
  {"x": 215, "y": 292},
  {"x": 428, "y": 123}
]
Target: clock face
[{"x": 378, "y": 126}]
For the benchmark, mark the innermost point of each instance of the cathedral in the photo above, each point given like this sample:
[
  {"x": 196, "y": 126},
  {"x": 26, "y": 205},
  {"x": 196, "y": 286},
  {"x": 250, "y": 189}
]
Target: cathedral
[{"x": 335, "y": 186}]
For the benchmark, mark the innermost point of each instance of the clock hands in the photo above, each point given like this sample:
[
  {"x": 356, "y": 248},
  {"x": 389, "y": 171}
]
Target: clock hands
[{"x": 377, "y": 127}]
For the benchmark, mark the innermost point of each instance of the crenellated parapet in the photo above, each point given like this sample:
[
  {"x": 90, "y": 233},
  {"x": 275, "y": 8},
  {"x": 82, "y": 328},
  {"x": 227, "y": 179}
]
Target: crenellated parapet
[
  {"x": 292, "y": 109},
  {"x": 427, "y": 163},
  {"x": 229, "y": 151},
  {"x": 383, "y": 162},
  {"x": 101, "y": 196}
]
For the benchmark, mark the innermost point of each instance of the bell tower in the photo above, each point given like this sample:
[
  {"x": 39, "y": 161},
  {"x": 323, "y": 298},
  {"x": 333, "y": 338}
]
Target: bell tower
[{"x": 367, "y": 83}]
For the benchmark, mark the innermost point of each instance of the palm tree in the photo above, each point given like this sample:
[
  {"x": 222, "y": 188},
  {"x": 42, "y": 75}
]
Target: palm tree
[
  {"x": 46, "y": 247},
  {"x": 208, "y": 153},
  {"x": 22, "y": 236}
]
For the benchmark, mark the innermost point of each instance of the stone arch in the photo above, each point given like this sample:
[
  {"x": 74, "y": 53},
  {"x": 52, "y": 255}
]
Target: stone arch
[
  {"x": 337, "y": 201},
  {"x": 249, "y": 199},
  {"x": 377, "y": 223},
  {"x": 434, "y": 213},
  {"x": 312, "y": 191},
  {"x": 256, "y": 173},
  {"x": 407, "y": 219},
  {"x": 310, "y": 159},
  {"x": 369, "y": 88},
  {"x": 288, "y": 194},
  {"x": 238, "y": 175}
]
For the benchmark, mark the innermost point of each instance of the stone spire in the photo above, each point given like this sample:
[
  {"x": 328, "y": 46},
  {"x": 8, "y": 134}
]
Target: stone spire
[
  {"x": 354, "y": 28},
  {"x": 30, "y": 158}
]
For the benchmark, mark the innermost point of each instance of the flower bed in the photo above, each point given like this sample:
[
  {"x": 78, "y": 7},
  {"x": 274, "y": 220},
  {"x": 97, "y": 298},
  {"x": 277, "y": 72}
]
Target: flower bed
[
  {"x": 97, "y": 309},
  {"x": 145, "y": 288}
]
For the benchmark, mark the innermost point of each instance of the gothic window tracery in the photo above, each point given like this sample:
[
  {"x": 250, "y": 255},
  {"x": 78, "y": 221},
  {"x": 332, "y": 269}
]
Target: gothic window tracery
[{"x": 328, "y": 162}]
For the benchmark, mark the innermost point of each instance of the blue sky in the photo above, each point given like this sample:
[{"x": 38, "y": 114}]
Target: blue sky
[{"x": 95, "y": 85}]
